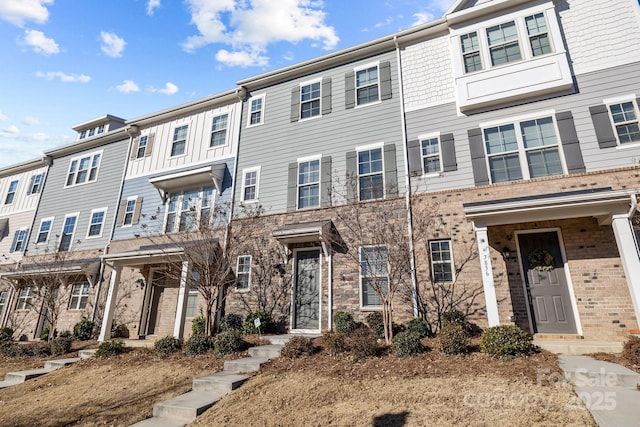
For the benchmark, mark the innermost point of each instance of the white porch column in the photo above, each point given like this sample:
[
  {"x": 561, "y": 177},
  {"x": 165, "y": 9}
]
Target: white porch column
[
  {"x": 110, "y": 305},
  {"x": 629, "y": 255},
  {"x": 181, "y": 309},
  {"x": 488, "y": 284}
]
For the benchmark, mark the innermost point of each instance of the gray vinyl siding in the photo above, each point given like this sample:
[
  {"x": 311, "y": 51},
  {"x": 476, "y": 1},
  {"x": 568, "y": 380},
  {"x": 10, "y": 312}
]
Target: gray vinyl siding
[
  {"x": 593, "y": 88},
  {"x": 279, "y": 141},
  {"x": 152, "y": 214},
  {"x": 58, "y": 200}
]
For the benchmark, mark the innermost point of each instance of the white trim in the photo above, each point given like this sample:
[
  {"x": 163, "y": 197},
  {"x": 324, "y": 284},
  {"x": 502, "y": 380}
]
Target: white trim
[
  {"x": 181, "y": 305},
  {"x": 451, "y": 263},
  {"x": 244, "y": 272},
  {"x": 257, "y": 170},
  {"x": 309, "y": 83},
  {"x": 625, "y": 242},
  {"x": 319, "y": 182},
  {"x": 102, "y": 224},
  {"x": 124, "y": 216},
  {"x": 355, "y": 84},
  {"x": 518, "y": 118},
  {"x": 91, "y": 156},
  {"x": 263, "y": 97},
  {"x": 294, "y": 283},
  {"x": 488, "y": 284},
  {"x": 75, "y": 228},
  {"x": 172, "y": 141},
  {"x": 620, "y": 99},
  {"x": 360, "y": 276},
  {"x": 52, "y": 219},
  {"x": 425, "y": 137},
  {"x": 4, "y": 199},
  {"x": 226, "y": 130},
  {"x": 636, "y": 110},
  {"x": 369, "y": 146}
]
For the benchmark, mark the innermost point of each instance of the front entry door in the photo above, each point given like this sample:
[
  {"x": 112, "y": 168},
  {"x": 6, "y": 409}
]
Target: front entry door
[
  {"x": 306, "y": 304},
  {"x": 546, "y": 283}
]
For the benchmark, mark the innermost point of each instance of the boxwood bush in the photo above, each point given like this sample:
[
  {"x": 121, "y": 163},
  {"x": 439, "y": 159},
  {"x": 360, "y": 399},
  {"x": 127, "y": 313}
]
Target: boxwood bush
[
  {"x": 110, "y": 348},
  {"x": 231, "y": 322},
  {"x": 454, "y": 339},
  {"x": 84, "y": 330},
  {"x": 297, "y": 347},
  {"x": 167, "y": 346},
  {"x": 363, "y": 343},
  {"x": 419, "y": 326},
  {"x": 506, "y": 341},
  {"x": 334, "y": 342},
  {"x": 198, "y": 344},
  {"x": 407, "y": 344},
  {"x": 343, "y": 322},
  {"x": 266, "y": 322},
  {"x": 228, "y": 342},
  {"x": 198, "y": 325}
]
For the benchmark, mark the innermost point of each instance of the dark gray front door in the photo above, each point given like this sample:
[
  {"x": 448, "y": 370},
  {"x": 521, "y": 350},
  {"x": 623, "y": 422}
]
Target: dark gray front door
[
  {"x": 546, "y": 283},
  {"x": 306, "y": 304}
]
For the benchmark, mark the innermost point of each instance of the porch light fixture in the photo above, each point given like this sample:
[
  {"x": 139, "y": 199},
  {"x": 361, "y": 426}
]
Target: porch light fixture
[{"x": 506, "y": 253}]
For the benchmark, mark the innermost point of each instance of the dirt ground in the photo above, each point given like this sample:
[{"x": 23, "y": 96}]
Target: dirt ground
[{"x": 433, "y": 389}]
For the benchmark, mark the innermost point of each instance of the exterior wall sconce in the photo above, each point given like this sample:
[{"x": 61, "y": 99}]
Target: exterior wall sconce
[{"x": 506, "y": 253}]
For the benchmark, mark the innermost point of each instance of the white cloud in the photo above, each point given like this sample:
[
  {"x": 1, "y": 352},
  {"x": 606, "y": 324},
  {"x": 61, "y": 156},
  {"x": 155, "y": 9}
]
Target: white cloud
[
  {"x": 3, "y": 118},
  {"x": 18, "y": 12},
  {"x": 242, "y": 59},
  {"x": 249, "y": 27},
  {"x": 22, "y": 147},
  {"x": 112, "y": 45},
  {"x": 63, "y": 77},
  {"x": 12, "y": 129},
  {"x": 422, "y": 18},
  {"x": 152, "y": 5},
  {"x": 128, "y": 86},
  {"x": 168, "y": 89},
  {"x": 40, "y": 43},
  {"x": 31, "y": 121}
]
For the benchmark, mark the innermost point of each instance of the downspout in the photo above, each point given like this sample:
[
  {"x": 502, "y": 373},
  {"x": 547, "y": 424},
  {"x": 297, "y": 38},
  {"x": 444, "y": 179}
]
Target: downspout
[{"x": 412, "y": 260}]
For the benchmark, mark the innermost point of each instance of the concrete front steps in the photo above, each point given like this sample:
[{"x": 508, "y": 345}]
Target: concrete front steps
[
  {"x": 13, "y": 378},
  {"x": 206, "y": 391},
  {"x": 574, "y": 344}
]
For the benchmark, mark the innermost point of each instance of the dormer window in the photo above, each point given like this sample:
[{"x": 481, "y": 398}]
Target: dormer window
[
  {"x": 100, "y": 129},
  {"x": 92, "y": 131},
  {"x": 83, "y": 134}
]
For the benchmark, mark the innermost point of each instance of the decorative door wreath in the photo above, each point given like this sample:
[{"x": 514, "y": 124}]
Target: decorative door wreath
[{"x": 540, "y": 260}]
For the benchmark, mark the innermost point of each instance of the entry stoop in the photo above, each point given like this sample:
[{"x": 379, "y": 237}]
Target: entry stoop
[{"x": 574, "y": 344}]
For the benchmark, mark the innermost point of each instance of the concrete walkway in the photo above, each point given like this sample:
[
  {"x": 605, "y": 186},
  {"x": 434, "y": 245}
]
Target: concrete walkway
[
  {"x": 610, "y": 392},
  {"x": 208, "y": 390}
]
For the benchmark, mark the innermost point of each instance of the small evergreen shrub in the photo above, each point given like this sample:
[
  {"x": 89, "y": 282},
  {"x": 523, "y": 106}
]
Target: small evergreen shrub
[
  {"x": 13, "y": 349},
  {"x": 343, "y": 322},
  {"x": 363, "y": 343},
  {"x": 454, "y": 339},
  {"x": 61, "y": 345},
  {"x": 167, "y": 346},
  {"x": 455, "y": 317},
  {"x": 84, "y": 330},
  {"x": 418, "y": 326},
  {"x": 6, "y": 334},
  {"x": 198, "y": 344},
  {"x": 631, "y": 350},
  {"x": 231, "y": 322},
  {"x": 297, "y": 347},
  {"x": 407, "y": 344},
  {"x": 334, "y": 342},
  {"x": 228, "y": 342},
  {"x": 44, "y": 335},
  {"x": 266, "y": 322},
  {"x": 375, "y": 322},
  {"x": 198, "y": 325},
  {"x": 506, "y": 341},
  {"x": 110, "y": 348}
]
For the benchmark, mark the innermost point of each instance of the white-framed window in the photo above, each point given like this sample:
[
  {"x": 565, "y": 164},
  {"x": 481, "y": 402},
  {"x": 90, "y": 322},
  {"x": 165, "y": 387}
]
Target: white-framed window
[
  {"x": 68, "y": 229},
  {"x": 92, "y": 131},
  {"x": 538, "y": 34},
  {"x": 370, "y": 174},
  {"x": 83, "y": 169},
  {"x": 308, "y": 183},
  {"x": 83, "y": 134},
  {"x": 79, "y": 296},
  {"x": 45, "y": 230},
  {"x": 624, "y": 118},
  {"x": 374, "y": 274},
  {"x": 129, "y": 211},
  {"x": 250, "y": 184},
  {"x": 19, "y": 240},
  {"x": 142, "y": 146},
  {"x": 192, "y": 301},
  {"x": 36, "y": 184},
  {"x": 179, "y": 144},
  {"x": 219, "y": 130},
  {"x": 431, "y": 156},
  {"x": 523, "y": 149},
  {"x": 256, "y": 110},
  {"x": 470, "y": 47},
  {"x": 310, "y": 96},
  {"x": 4, "y": 296},
  {"x": 503, "y": 43},
  {"x": 243, "y": 272},
  {"x": 25, "y": 298},
  {"x": 367, "y": 85},
  {"x": 100, "y": 129},
  {"x": 441, "y": 256},
  {"x": 96, "y": 223},
  {"x": 189, "y": 209},
  {"x": 11, "y": 193}
]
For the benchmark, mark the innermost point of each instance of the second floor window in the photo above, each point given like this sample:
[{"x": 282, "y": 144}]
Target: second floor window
[
  {"x": 142, "y": 146},
  {"x": 471, "y": 52},
  {"x": 83, "y": 169},
  {"x": 370, "y": 174},
  {"x": 625, "y": 122},
  {"x": 503, "y": 43},
  {"x": 45, "y": 229},
  {"x": 367, "y": 85},
  {"x": 308, "y": 184},
  {"x": 243, "y": 272},
  {"x": 67, "y": 233},
  {"x": 11, "y": 194},
  {"x": 430, "y": 155},
  {"x": 19, "y": 240},
  {"x": 36, "y": 184},
  {"x": 97, "y": 221},
  {"x": 25, "y": 298},
  {"x": 250, "y": 186},
  {"x": 188, "y": 210},
  {"x": 179, "y": 143},
  {"x": 310, "y": 100},
  {"x": 256, "y": 113},
  {"x": 219, "y": 130},
  {"x": 79, "y": 296}
]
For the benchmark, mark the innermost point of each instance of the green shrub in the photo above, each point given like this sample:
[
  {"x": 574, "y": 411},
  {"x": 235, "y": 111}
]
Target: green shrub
[
  {"x": 167, "y": 346},
  {"x": 110, "y": 348},
  {"x": 631, "y": 350},
  {"x": 297, "y": 347},
  {"x": 231, "y": 322},
  {"x": 407, "y": 344},
  {"x": 266, "y": 322},
  {"x": 84, "y": 330},
  {"x": 375, "y": 322},
  {"x": 6, "y": 334},
  {"x": 506, "y": 341},
  {"x": 198, "y": 344},
  {"x": 13, "y": 349},
  {"x": 363, "y": 343},
  {"x": 418, "y": 326},
  {"x": 61, "y": 345},
  {"x": 455, "y": 317},
  {"x": 44, "y": 335},
  {"x": 198, "y": 325},
  {"x": 343, "y": 322},
  {"x": 454, "y": 339},
  {"x": 228, "y": 342},
  {"x": 334, "y": 342}
]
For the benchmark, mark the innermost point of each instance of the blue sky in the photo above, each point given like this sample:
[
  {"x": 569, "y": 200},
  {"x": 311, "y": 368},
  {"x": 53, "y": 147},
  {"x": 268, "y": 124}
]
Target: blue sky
[{"x": 64, "y": 62}]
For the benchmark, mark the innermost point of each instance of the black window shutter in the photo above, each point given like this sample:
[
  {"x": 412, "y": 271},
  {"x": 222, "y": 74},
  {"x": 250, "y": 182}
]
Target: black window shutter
[
  {"x": 352, "y": 176},
  {"x": 415, "y": 157},
  {"x": 390, "y": 171},
  {"x": 325, "y": 181},
  {"x": 295, "y": 103},
  {"x": 292, "y": 187},
  {"x": 349, "y": 90},
  {"x": 478, "y": 163},
  {"x": 385, "y": 80},
  {"x": 448, "y": 150},
  {"x": 326, "y": 96},
  {"x": 570, "y": 142},
  {"x": 602, "y": 125}
]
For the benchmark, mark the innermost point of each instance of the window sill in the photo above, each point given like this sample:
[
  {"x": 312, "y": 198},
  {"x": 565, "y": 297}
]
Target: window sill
[
  {"x": 367, "y": 104},
  {"x": 627, "y": 145}
]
